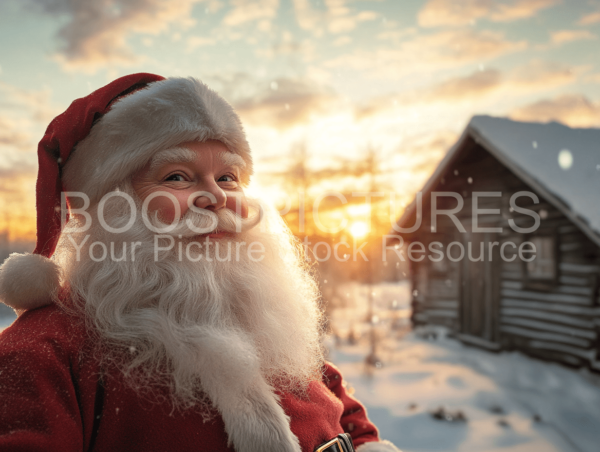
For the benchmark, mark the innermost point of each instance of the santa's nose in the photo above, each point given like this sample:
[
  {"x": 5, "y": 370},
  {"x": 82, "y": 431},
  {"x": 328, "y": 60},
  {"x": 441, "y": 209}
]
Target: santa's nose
[{"x": 210, "y": 199}]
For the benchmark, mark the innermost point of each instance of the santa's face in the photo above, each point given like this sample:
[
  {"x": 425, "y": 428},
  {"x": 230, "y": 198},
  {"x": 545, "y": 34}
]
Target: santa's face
[{"x": 201, "y": 174}]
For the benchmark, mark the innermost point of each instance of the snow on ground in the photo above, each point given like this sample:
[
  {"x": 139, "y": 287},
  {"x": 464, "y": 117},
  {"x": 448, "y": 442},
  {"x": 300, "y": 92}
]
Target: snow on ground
[{"x": 511, "y": 402}]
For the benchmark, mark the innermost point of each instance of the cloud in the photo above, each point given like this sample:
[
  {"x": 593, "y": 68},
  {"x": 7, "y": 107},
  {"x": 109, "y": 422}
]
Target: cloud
[
  {"x": 540, "y": 74},
  {"x": 285, "y": 103},
  {"x": 594, "y": 78},
  {"x": 23, "y": 114},
  {"x": 397, "y": 34},
  {"x": 10, "y": 135},
  {"x": 476, "y": 84},
  {"x": 336, "y": 18},
  {"x": 562, "y": 36},
  {"x": 286, "y": 44},
  {"x": 18, "y": 170},
  {"x": 95, "y": 32},
  {"x": 589, "y": 19},
  {"x": 426, "y": 150},
  {"x": 426, "y": 53},
  {"x": 536, "y": 75},
  {"x": 244, "y": 11},
  {"x": 38, "y": 103},
  {"x": 574, "y": 110},
  {"x": 342, "y": 40},
  {"x": 194, "y": 42},
  {"x": 450, "y": 12}
]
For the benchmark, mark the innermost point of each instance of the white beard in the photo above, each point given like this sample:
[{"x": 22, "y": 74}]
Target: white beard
[{"x": 211, "y": 332}]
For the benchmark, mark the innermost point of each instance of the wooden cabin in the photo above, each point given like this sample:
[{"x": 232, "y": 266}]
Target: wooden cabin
[{"x": 543, "y": 303}]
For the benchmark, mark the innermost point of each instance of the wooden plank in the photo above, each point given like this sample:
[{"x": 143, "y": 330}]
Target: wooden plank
[
  {"x": 479, "y": 342},
  {"x": 568, "y": 229},
  {"x": 443, "y": 293},
  {"x": 512, "y": 266},
  {"x": 587, "y": 291},
  {"x": 420, "y": 317},
  {"x": 539, "y": 335},
  {"x": 586, "y": 354},
  {"x": 545, "y": 326},
  {"x": 578, "y": 268},
  {"x": 543, "y": 315},
  {"x": 543, "y": 296},
  {"x": 517, "y": 285},
  {"x": 516, "y": 276},
  {"x": 586, "y": 259},
  {"x": 550, "y": 355},
  {"x": 550, "y": 307},
  {"x": 483, "y": 219},
  {"x": 442, "y": 313},
  {"x": 573, "y": 237},
  {"x": 570, "y": 247},
  {"x": 574, "y": 280},
  {"x": 444, "y": 304},
  {"x": 525, "y": 221},
  {"x": 441, "y": 321}
]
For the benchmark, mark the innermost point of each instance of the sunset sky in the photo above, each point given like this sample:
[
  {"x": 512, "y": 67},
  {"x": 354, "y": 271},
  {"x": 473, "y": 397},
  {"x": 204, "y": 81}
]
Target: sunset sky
[{"x": 337, "y": 77}]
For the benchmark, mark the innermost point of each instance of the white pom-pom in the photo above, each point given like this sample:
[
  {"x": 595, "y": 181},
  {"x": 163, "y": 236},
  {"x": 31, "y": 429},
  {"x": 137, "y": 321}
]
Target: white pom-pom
[
  {"x": 378, "y": 446},
  {"x": 28, "y": 281}
]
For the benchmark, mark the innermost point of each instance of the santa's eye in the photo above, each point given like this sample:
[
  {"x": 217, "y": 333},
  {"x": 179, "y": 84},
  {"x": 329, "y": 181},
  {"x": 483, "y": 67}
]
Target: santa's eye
[
  {"x": 175, "y": 178},
  {"x": 226, "y": 178}
]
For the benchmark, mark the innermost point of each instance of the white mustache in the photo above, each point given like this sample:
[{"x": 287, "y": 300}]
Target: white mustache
[{"x": 207, "y": 221}]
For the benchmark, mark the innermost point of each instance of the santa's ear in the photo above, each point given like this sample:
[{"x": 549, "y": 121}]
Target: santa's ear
[{"x": 28, "y": 281}]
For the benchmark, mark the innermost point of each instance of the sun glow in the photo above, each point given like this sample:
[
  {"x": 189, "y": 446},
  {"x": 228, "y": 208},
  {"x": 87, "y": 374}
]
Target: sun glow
[{"x": 359, "y": 229}]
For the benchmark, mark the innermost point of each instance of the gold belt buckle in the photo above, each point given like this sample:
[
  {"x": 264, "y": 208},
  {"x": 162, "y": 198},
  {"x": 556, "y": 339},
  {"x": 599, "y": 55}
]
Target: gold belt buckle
[{"x": 329, "y": 444}]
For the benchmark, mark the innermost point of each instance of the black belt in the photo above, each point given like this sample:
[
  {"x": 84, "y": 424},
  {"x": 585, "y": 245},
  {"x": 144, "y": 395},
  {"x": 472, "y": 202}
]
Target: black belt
[{"x": 341, "y": 443}]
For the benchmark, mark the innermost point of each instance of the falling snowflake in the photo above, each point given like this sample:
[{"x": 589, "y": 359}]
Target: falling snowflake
[{"x": 565, "y": 159}]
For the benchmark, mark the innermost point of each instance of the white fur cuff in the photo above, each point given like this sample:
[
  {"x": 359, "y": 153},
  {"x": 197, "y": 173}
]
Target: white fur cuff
[{"x": 382, "y": 446}]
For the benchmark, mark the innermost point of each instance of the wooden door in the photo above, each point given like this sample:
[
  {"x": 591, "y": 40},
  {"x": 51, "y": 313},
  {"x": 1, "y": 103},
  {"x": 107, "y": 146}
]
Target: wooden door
[{"x": 479, "y": 294}]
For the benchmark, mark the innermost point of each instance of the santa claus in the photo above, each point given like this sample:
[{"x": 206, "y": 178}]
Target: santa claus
[{"x": 161, "y": 308}]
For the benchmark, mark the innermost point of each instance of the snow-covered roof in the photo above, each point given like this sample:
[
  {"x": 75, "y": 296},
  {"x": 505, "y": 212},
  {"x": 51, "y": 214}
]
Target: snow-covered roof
[{"x": 531, "y": 151}]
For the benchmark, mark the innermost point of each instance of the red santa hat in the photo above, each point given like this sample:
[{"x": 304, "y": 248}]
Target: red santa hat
[{"x": 100, "y": 141}]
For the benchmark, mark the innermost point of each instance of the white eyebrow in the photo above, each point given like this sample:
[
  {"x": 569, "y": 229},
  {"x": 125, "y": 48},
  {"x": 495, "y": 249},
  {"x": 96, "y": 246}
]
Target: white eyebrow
[
  {"x": 231, "y": 159},
  {"x": 173, "y": 155}
]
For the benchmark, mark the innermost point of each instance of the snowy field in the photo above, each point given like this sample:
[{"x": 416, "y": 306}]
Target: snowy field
[{"x": 439, "y": 395}]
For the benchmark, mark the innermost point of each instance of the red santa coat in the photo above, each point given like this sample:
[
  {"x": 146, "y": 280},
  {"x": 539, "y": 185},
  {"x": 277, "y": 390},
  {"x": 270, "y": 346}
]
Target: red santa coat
[{"x": 53, "y": 399}]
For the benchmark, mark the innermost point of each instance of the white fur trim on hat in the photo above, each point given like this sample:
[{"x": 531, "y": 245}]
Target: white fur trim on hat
[
  {"x": 162, "y": 115},
  {"x": 381, "y": 446},
  {"x": 28, "y": 281}
]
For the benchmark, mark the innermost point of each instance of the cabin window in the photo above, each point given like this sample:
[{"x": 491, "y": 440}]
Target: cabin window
[{"x": 544, "y": 266}]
